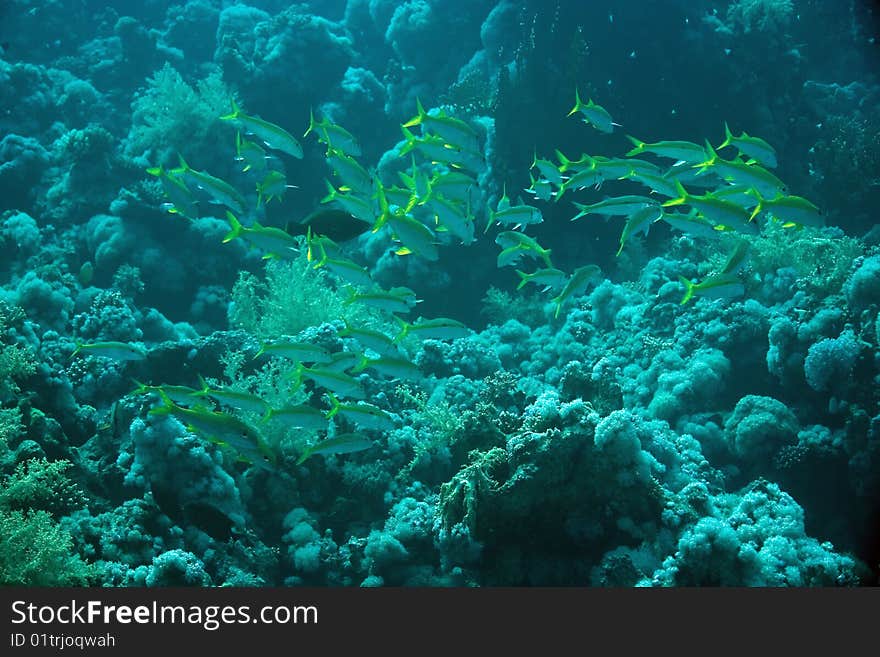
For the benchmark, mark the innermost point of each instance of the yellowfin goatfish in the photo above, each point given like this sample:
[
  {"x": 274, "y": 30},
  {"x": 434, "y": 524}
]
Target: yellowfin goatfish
[
  {"x": 219, "y": 190},
  {"x": 753, "y": 147},
  {"x": 276, "y": 242},
  {"x": 512, "y": 238},
  {"x": 274, "y": 136},
  {"x": 344, "y": 444},
  {"x": 220, "y": 428},
  {"x": 454, "y": 218},
  {"x": 438, "y": 149},
  {"x": 394, "y": 368},
  {"x": 300, "y": 352},
  {"x": 415, "y": 236},
  {"x": 353, "y": 176},
  {"x": 737, "y": 258},
  {"x": 453, "y": 130},
  {"x": 182, "y": 200},
  {"x": 113, "y": 350},
  {"x": 639, "y": 221},
  {"x": 455, "y": 186},
  {"x": 615, "y": 206},
  {"x": 242, "y": 401},
  {"x": 517, "y": 215},
  {"x": 334, "y": 136},
  {"x": 790, "y": 210},
  {"x": 549, "y": 277},
  {"x": 366, "y": 416},
  {"x": 383, "y": 300},
  {"x": 547, "y": 169},
  {"x": 178, "y": 394},
  {"x": 272, "y": 186},
  {"x": 358, "y": 206},
  {"x": 369, "y": 339},
  {"x": 440, "y": 328},
  {"x": 719, "y": 211},
  {"x": 342, "y": 360},
  {"x": 298, "y": 416},
  {"x": 540, "y": 188},
  {"x": 739, "y": 173},
  {"x": 714, "y": 287},
  {"x": 596, "y": 115},
  {"x": 577, "y": 284},
  {"x": 338, "y": 382},
  {"x": 513, "y": 254},
  {"x": 250, "y": 153},
  {"x": 346, "y": 269},
  {"x": 684, "y": 151},
  {"x": 692, "y": 223}
]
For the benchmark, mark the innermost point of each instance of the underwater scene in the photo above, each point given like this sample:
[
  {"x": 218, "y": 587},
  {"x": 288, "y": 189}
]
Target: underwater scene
[{"x": 439, "y": 293}]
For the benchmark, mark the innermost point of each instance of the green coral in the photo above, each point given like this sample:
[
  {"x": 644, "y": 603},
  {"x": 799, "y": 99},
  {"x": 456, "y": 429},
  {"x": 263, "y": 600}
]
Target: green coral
[
  {"x": 500, "y": 306},
  {"x": 36, "y": 551},
  {"x": 822, "y": 260},
  {"x": 170, "y": 112},
  {"x": 764, "y": 16},
  {"x": 44, "y": 485},
  {"x": 293, "y": 296}
]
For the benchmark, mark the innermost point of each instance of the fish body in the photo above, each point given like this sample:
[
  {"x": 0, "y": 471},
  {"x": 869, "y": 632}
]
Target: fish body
[
  {"x": 439, "y": 328},
  {"x": 179, "y": 195},
  {"x": 354, "y": 177},
  {"x": 692, "y": 223},
  {"x": 369, "y": 339},
  {"x": 220, "y": 428},
  {"x": 178, "y": 394},
  {"x": 791, "y": 210},
  {"x": 453, "y": 130},
  {"x": 274, "y": 136},
  {"x": 639, "y": 221},
  {"x": 390, "y": 366},
  {"x": 346, "y": 269},
  {"x": 615, "y": 206},
  {"x": 242, "y": 401},
  {"x": 685, "y": 151},
  {"x": 334, "y": 136},
  {"x": 593, "y": 114},
  {"x": 343, "y": 444},
  {"x": 366, "y": 416},
  {"x": 753, "y": 147},
  {"x": 719, "y": 211},
  {"x": 277, "y": 242},
  {"x": 518, "y": 215},
  {"x": 300, "y": 352},
  {"x": 549, "y": 277},
  {"x": 298, "y": 416},
  {"x": 219, "y": 190},
  {"x": 391, "y": 300},
  {"x": 357, "y": 206},
  {"x": 578, "y": 282},
  {"x": 337, "y": 382},
  {"x": 122, "y": 351},
  {"x": 719, "y": 286},
  {"x": 251, "y": 154},
  {"x": 272, "y": 186}
]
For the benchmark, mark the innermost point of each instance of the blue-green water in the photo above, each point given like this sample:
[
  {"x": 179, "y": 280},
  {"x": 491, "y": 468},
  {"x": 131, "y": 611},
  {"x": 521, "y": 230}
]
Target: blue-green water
[{"x": 435, "y": 293}]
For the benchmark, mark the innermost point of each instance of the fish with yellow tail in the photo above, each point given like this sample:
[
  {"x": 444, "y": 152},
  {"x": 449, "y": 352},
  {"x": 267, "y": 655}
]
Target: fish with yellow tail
[
  {"x": 593, "y": 114},
  {"x": 346, "y": 443},
  {"x": 752, "y": 147},
  {"x": 719, "y": 286},
  {"x": 577, "y": 284},
  {"x": 274, "y": 136}
]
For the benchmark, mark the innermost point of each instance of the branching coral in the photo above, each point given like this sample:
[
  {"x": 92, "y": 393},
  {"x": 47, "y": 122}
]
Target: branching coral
[{"x": 170, "y": 112}]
